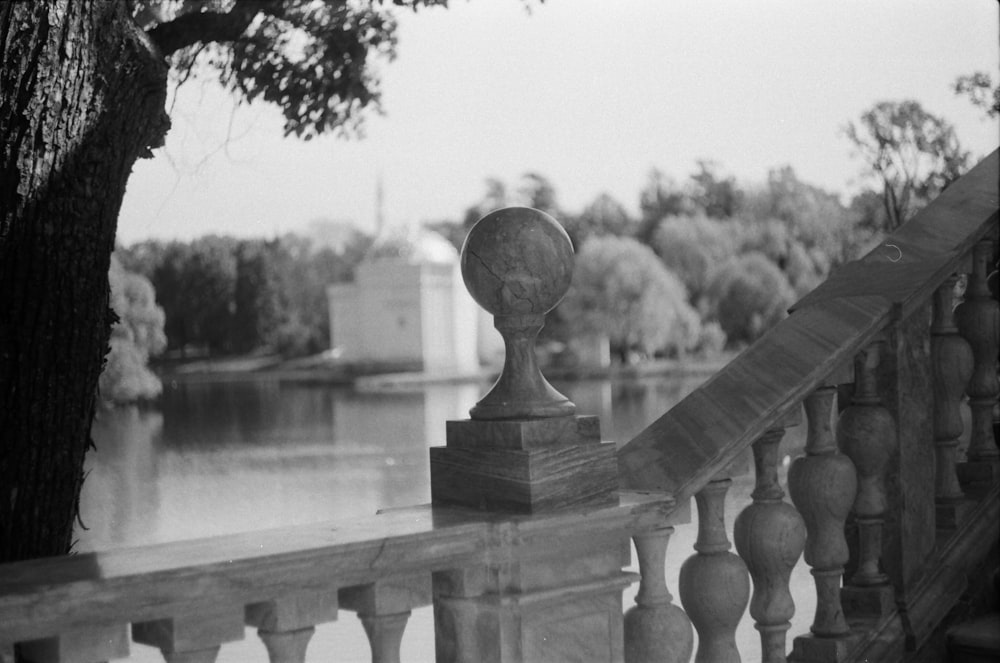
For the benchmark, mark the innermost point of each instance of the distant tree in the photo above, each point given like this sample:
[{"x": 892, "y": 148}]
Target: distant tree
[
  {"x": 693, "y": 247},
  {"x": 660, "y": 198},
  {"x": 196, "y": 284},
  {"x": 869, "y": 219},
  {"x": 303, "y": 274},
  {"x": 135, "y": 337},
  {"x": 718, "y": 197},
  {"x": 603, "y": 216},
  {"x": 256, "y": 299},
  {"x": 749, "y": 295},
  {"x": 494, "y": 197},
  {"x": 911, "y": 152},
  {"x": 978, "y": 87},
  {"x": 622, "y": 290},
  {"x": 536, "y": 190}
]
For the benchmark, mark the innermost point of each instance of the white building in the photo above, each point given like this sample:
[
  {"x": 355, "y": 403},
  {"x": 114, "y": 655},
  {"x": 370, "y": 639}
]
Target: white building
[{"x": 408, "y": 306}]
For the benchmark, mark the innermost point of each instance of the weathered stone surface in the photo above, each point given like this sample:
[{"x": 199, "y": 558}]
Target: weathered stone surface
[
  {"x": 905, "y": 385},
  {"x": 523, "y": 433},
  {"x": 656, "y": 630},
  {"x": 78, "y": 646},
  {"x": 517, "y": 261},
  {"x": 563, "y": 607},
  {"x": 525, "y": 481}
]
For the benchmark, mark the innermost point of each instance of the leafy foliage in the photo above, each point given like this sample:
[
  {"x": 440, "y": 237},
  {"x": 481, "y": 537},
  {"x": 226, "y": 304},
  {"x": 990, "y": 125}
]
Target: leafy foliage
[
  {"x": 622, "y": 290},
  {"x": 692, "y": 247},
  {"x": 603, "y": 216},
  {"x": 750, "y": 295},
  {"x": 911, "y": 152},
  {"x": 978, "y": 87},
  {"x": 316, "y": 59},
  {"x": 223, "y": 295},
  {"x": 136, "y": 337}
]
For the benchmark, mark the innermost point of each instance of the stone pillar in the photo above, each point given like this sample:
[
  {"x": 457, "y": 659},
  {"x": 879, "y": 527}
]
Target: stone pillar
[
  {"x": 905, "y": 385},
  {"x": 770, "y": 536},
  {"x": 866, "y": 433},
  {"x": 524, "y": 450},
  {"x": 286, "y": 625},
  {"x": 384, "y": 608},
  {"x": 823, "y": 485},
  {"x": 952, "y": 367},
  {"x": 714, "y": 583},
  {"x": 978, "y": 321},
  {"x": 656, "y": 630}
]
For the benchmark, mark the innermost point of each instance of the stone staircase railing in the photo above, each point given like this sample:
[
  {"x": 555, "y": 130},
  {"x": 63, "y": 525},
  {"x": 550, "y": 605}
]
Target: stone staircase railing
[
  {"x": 523, "y": 549},
  {"x": 890, "y": 522}
]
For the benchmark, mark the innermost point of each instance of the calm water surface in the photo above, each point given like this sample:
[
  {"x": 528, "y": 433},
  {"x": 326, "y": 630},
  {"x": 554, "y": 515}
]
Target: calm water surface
[{"x": 223, "y": 457}]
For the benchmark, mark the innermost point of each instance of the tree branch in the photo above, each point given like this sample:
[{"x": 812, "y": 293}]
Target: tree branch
[{"x": 208, "y": 27}]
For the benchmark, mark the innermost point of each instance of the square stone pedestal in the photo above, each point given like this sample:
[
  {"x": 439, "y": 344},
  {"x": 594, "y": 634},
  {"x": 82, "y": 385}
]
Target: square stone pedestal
[
  {"x": 524, "y": 466},
  {"x": 566, "y": 607}
]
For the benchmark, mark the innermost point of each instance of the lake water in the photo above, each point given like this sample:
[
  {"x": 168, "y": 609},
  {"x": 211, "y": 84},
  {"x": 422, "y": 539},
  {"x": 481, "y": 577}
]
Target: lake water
[{"x": 233, "y": 456}]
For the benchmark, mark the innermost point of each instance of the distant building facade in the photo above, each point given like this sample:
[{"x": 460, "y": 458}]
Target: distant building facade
[{"x": 408, "y": 307}]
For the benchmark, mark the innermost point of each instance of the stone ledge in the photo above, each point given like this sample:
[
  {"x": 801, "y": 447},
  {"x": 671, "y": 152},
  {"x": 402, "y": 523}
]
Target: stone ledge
[
  {"x": 523, "y": 434},
  {"x": 525, "y": 481}
]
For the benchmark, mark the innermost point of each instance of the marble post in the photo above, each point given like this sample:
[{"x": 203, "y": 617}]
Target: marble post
[
  {"x": 823, "y": 485},
  {"x": 770, "y": 536},
  {"x": 714, "y": 582},
  {"x": 978, "y": 321},
  {"x": 866, "y": 433},
  {"x": 656, "y": 630},
  {"x": 952, "y": 367}
]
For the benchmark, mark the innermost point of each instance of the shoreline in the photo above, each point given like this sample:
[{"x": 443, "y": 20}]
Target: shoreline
[{"x": 392, "y": 378}]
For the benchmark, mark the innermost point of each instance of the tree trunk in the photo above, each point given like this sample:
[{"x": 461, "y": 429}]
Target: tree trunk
[{"x": 82, "y": 96}]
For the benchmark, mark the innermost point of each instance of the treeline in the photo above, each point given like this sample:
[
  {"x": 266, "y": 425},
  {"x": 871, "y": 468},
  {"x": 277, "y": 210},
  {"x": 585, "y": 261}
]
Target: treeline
[
  {"x": 223, "y": 296},
  {"x": 708, "y": 263}
]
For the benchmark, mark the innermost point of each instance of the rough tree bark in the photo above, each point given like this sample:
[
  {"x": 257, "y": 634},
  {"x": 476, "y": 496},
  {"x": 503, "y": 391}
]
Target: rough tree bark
[{"x": 82, "y": 94}]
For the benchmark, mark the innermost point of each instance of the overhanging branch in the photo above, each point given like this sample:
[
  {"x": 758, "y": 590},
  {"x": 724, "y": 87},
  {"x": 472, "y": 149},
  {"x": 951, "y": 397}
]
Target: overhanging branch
[{"x": 206, "y": 27}]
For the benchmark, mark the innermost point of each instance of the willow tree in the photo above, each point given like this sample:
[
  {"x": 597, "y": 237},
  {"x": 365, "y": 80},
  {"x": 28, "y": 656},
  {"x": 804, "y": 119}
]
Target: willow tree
[{"x": 83, "y": 85}]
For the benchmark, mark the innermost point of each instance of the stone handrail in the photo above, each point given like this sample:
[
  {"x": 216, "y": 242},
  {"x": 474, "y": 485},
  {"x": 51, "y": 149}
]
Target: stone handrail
[
  {"x": 195, "y": 595},
  {"x": 879, "y": 484}
]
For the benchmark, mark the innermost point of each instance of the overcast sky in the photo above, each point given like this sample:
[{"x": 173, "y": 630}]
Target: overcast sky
[{"x": 590, "y": 93}]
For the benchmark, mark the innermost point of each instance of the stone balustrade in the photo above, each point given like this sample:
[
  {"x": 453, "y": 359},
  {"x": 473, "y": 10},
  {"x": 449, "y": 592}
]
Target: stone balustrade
[{"x": 524, "y": 552}]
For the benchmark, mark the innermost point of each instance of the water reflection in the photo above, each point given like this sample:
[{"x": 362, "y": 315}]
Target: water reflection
[{"x": 238, "y": 456}]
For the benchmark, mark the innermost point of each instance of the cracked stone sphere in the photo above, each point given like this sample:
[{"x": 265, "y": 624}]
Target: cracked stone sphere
[{"x": 517, "y": 261}]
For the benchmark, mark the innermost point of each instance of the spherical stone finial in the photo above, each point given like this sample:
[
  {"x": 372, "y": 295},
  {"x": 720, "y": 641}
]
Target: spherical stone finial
[{"x": 517, "y": 261}]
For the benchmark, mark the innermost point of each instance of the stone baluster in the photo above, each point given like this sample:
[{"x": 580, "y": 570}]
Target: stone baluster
[
  {"x": 770, "y": 535},
  {"x": 866, "y": 433},
  {"x": 656, "y": 630},
  {"x": 951, "y": 367},
  {"x": 714, "y": 583},
  {"x": 978, "y": 319},
  {"x": 193, "y": 637},
  {"x": 90, "y": 645},
  {"x": 384, "y": 608},
  {"x": 823, "y": 485},
  {"x": 287, "y": 624}
]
